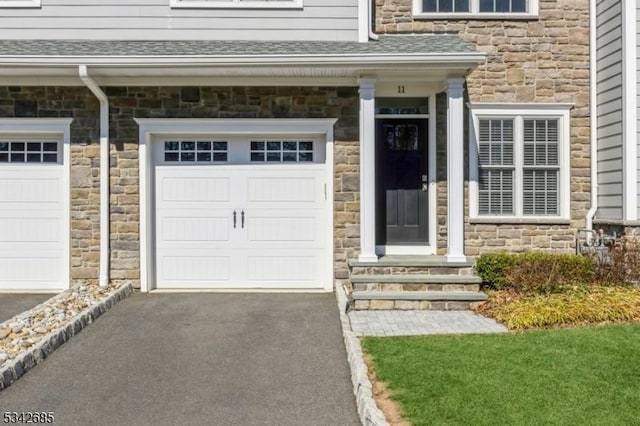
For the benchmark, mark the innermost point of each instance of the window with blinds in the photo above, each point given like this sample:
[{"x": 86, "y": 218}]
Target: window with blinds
[
  {"x": 496, "y": 167},
  {"x": 541, "y": 169},
  {"x": 520, "y": 165}
]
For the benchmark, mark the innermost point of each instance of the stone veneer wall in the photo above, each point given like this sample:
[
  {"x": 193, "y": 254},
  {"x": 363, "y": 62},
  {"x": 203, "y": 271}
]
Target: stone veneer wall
[
  {"x": 187, "y": 102},
  {"x": 535, "y": 60}
]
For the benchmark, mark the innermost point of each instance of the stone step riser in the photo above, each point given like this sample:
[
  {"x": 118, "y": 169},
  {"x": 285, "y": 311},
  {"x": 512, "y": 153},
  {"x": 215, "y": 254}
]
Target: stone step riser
[
  {"x": 409, "y": 287},
  {"x": 417, "y": 270},
  {"x": 413, "y": 305}
]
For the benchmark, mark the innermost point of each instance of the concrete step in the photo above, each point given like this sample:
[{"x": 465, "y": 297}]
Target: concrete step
[
  {"x": 421, "y": 279},
  {"x": 412, "y": 261},
  {"x": 416, "y": 300}
]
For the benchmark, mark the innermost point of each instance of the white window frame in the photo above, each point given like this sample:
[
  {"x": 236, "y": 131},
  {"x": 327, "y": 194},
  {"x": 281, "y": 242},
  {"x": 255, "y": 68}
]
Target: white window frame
[
  {"x": 519, "y": 112},
  {"x": 237, "y": 4},
  {"x": 19, "y": 3},
  {"x": 474, "y": 12}
]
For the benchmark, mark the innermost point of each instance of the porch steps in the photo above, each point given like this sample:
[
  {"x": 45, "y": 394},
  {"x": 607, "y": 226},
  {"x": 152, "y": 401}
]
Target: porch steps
[{"x": 414, "y": 282}]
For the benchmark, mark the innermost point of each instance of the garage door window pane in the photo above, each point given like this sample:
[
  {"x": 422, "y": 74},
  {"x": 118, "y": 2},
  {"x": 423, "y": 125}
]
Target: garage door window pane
[
  {"x": 204, "y": 156},
  {"x": 273, "y": 146},
  {"x": 204, "y": 146},
  {"x": 50, "y": 146},
  {"x": 306, "y": 146},
  {"x": 289, "y": 157},
  {"x": 305, "y": 156},
  {"x": 220, "y": 146},
  {"x": 187, "y": 156},
  {"x": 273, "y": 156},
  {"x": 172, "y": 146}
]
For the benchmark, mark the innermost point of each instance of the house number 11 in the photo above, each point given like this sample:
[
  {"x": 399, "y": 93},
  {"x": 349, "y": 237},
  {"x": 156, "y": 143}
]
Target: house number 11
[{"x": 400, "y": 89}]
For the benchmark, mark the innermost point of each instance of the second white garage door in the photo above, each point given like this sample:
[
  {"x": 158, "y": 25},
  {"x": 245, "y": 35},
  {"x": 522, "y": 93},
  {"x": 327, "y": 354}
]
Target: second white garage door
[
  {"x": 34, "y": 239},
  {"x": 240, "y": 213}
]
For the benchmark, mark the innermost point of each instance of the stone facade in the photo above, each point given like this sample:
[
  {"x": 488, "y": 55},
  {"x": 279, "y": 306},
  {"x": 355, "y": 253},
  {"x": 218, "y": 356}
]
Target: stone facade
[
  {"x": 176, "y": 102},
  {"x": 544, "y": 60}
]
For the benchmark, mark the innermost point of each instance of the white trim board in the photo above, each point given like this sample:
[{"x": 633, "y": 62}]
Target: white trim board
[
  {"x": 150, "y": 127},
  {"x": 237, "y": 4},
  {"x": 629, "y": 123}
]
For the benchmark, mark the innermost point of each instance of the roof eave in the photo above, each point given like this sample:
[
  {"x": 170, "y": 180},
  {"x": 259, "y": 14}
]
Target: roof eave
[{"x": 470, "y": 59}]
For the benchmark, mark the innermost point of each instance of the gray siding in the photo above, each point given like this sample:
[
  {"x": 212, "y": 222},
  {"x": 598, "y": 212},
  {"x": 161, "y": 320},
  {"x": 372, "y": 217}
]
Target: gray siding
[
  {"x": 155, "y": 20},
  {"x": 609, "y": 104}
]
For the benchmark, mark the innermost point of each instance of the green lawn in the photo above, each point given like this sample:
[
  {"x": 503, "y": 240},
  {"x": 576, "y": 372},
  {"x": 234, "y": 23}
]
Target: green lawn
[{"x": 582, "y": 376}]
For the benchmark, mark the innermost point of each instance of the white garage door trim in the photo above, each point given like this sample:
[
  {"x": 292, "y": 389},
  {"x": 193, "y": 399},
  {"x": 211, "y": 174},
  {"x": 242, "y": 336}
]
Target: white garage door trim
[
  {"x": 150, "y": 128},
  {"x": 59, "y": 130}
]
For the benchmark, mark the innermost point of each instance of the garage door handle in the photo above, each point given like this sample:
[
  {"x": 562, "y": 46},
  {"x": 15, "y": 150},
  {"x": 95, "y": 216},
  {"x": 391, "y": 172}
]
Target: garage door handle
[
  {"x": 234, "y": 218},
  {"x": 242, "y": 218}
]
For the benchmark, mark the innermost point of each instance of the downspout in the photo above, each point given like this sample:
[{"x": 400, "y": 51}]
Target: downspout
[
  {"x": 593, "y": 111},
  {"x": 103, "y": 277},
  {"x": 370, "y": 8}
]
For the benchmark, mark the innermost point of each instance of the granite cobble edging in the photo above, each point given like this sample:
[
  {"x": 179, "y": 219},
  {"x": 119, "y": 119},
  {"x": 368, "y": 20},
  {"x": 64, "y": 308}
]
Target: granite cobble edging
[
  {"x": 14, "y": 368},
  {"x": 368, "y": 411}
]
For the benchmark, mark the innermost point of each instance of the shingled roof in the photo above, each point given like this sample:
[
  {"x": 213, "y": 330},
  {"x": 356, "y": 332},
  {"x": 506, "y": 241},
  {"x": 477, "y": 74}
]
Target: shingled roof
[{"x": 386, "y": 45}]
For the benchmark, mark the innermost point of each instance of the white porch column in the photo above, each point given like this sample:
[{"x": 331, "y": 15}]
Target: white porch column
[
  {"x": 455, "y": 170},
  {"x": 367, "y": 171}
]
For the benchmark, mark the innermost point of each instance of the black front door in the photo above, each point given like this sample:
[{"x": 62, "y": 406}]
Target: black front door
[{"x": 401, "y": 182}]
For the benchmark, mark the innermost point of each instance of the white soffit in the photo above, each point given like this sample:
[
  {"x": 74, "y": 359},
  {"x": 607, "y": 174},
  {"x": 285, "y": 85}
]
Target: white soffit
[{"x": 250, "y": 75}]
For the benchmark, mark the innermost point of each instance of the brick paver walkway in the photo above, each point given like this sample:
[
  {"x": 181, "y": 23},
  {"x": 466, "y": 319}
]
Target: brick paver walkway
[{"x": 408, "y": 323}]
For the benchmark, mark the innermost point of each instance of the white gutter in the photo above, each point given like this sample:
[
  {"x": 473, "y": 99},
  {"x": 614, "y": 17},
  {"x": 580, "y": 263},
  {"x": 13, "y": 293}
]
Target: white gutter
[
  {"x": 593, "y": 122},
  {"x": 306, "y": 60},
  {"x": 370, "y": 8},
  {"x": 103, "y": 278}
]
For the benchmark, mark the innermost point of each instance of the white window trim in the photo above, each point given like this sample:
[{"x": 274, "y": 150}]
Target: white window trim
[
  {"x": 237, "y": 4},
  {"x": 474, "y": 13},
  {"x": 561, "y": 112},
  {"x": 19, "y": 3}
]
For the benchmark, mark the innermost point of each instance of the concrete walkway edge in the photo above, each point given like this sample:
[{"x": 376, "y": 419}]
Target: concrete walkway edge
[
  {"x": 18, "y": 366},
  {"x": 370, "y": 414}
]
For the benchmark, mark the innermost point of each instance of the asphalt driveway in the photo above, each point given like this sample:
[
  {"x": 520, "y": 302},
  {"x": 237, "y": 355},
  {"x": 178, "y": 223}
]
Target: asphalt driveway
[
  {"x": 198, "y": 359},
  {"x": 11, "y": 304}
]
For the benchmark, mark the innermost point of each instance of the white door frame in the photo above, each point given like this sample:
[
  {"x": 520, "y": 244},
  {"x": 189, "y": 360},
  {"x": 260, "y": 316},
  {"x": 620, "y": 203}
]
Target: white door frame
[
  {"x": 150, "y": 127},
  {"x": 389, "y": 89},
  {"x": 61, "y": 129}
]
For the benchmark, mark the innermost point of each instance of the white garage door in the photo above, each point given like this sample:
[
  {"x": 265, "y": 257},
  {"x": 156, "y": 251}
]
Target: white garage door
[
  {"x": 240, "y": 213},
  {"x": 33, "y": 216}
]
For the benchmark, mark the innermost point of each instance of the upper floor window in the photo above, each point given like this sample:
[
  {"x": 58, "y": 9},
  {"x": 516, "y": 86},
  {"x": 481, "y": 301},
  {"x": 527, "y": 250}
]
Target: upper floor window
[
  {"x": 19, "y": 3},
  {"x": 249, "y": 4},
  {"x": 475, "y": 8}
]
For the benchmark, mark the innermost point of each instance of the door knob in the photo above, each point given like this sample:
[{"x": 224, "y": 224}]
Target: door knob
[{"x": 425, "y": 183}]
